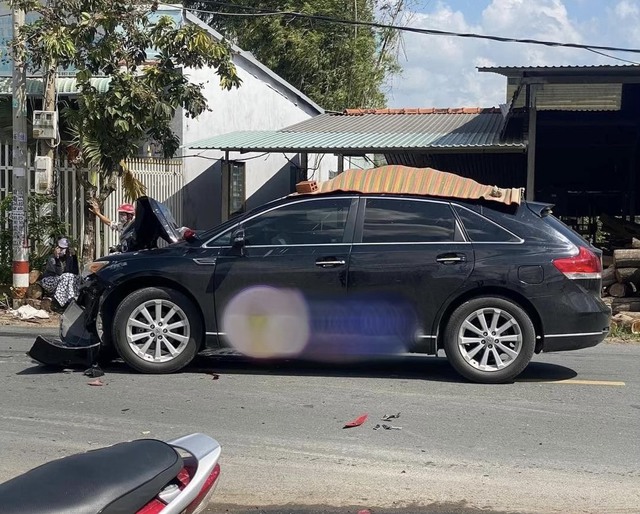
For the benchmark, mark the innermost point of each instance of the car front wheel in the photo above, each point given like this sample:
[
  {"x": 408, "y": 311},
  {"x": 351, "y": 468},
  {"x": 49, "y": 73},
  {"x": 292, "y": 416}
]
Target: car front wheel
[
  {"x": 157, "y": 330},
  {"x": 489, "y": 340}
]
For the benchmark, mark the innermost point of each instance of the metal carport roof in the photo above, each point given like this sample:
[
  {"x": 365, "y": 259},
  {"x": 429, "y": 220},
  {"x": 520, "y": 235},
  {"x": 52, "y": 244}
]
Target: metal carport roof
[{"x": 360, "y": 131}]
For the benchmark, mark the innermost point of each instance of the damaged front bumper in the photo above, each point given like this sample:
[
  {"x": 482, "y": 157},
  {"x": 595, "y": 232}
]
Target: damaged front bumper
[{"x": 78, "y": 344}]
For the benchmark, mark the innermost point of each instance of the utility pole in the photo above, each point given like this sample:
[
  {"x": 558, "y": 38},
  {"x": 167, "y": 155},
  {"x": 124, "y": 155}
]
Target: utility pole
[
  {"x": 20, "y": 165},
  {"x": 49, "y": 104}
]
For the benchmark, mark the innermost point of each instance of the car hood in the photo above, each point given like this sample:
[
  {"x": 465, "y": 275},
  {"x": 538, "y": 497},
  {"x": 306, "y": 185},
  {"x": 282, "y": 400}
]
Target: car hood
[{"x": 152, "y": 221}]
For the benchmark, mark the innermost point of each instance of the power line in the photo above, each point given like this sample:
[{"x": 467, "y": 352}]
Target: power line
[
  {"x": 612, "y": 56},
  {"x": 433, "y": 32}
]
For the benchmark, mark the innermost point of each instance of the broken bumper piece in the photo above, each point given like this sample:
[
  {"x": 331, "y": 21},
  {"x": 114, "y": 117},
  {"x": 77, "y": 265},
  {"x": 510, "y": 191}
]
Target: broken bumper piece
[{"x": 75, "y": 347}]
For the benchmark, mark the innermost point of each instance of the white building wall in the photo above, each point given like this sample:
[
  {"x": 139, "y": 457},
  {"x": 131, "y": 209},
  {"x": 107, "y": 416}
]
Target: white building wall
[{"x": 260, "y": 103}]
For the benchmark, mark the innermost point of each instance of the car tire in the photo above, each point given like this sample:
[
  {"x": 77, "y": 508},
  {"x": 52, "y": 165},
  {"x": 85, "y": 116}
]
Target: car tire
[
  {"x": 157, "y": 330},
  {"x": 489, "y": 340}
]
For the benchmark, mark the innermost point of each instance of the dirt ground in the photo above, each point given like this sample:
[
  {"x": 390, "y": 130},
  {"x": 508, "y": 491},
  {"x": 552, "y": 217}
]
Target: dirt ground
[{"x": 8, "y": 319}]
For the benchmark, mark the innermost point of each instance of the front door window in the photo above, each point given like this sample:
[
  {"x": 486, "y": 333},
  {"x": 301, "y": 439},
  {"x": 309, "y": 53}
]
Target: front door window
[{"x": 314, "y": 222}]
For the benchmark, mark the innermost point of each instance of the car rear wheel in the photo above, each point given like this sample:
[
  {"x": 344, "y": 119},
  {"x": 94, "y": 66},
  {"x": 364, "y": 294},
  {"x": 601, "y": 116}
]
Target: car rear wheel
[
  {"x": 157, "y": 330},
  {"x": 489, "y": 340}
]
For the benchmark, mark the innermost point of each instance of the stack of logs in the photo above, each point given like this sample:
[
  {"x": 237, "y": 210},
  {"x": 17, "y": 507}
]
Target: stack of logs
[{"x": 621, "y": 281}]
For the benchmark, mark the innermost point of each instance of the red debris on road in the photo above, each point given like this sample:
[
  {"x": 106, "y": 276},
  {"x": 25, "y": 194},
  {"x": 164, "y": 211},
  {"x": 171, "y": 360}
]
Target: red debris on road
[{"x": 357, "y": 422}]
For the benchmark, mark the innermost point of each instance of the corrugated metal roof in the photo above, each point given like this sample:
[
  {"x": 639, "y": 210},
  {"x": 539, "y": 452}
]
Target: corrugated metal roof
[
  {"x": 572, "y": 97},
  {"x": 594, "y": 70},
  {"x": 64, "y": 85},
  {"x": 377, "y": 131}
]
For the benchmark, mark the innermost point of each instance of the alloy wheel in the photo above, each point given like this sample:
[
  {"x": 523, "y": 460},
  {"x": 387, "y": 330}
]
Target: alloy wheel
[
  {"x": 490, "y": 339},
  {"x": 158, "y": 330}
]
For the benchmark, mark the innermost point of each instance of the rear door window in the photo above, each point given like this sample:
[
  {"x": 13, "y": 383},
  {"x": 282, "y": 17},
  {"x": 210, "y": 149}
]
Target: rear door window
[
  {"x": 482, "y": 230},
  {"x": 389, "y": 220}
]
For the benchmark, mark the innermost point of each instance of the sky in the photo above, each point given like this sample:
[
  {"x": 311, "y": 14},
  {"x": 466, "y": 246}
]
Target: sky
[{"x": 440, "y": 71}]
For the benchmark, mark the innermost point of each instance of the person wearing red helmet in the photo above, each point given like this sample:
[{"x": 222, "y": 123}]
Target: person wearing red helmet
[{"x": 126, "y": 213}]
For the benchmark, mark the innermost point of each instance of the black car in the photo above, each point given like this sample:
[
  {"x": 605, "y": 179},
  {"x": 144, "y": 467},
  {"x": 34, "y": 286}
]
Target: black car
[{"x": 333, "y": 276}]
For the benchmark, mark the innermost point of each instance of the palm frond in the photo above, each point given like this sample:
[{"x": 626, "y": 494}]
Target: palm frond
[{"x": 131, "y": 185}]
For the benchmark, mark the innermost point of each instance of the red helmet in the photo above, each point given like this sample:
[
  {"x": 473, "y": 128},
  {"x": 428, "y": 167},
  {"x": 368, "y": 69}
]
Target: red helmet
[{"x": 126, "y": 208}]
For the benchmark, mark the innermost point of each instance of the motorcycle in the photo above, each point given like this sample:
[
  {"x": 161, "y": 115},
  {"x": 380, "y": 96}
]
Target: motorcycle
[{"x": 146, "y": 476}]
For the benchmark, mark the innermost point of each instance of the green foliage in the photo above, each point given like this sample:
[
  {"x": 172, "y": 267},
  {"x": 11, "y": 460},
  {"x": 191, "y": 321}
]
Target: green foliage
[
  {"x": 110, "y": 38},
  {"x": 44, "y": 228},
  {"x": 114, "y": 38},
  {"x": 337, "y": 65}
]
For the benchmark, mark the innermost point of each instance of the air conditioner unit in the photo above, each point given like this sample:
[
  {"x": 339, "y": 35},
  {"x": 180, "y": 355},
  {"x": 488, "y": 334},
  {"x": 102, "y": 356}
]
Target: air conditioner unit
[{"x": 45, "y": 124}]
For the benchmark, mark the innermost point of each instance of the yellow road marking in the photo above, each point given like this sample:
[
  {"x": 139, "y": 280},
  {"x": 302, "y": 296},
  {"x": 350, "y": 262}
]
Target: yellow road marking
[{"x": 577, "y": 382}]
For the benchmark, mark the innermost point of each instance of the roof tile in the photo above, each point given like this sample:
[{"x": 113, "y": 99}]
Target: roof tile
[{"x": 419, "y": 110}]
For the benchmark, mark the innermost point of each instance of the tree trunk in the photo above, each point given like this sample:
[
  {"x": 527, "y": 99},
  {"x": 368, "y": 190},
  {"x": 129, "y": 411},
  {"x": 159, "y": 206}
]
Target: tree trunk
[
  {"x": 609, "y": 276},
  {"x": 89, "y": 236},
  {"x": 625, "y": 304},
  {"x": 627, "y": 314},
  {"x": 626, "y": 275},
  {"x": 107, "y": 186},
  {"x": 619, "y": 290},
  {"x": 622, "y": 320},
  {"x": 626, "y": 258}
]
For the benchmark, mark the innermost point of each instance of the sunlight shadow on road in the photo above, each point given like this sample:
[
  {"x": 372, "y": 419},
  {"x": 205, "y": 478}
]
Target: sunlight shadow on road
[
  {"x": 545, "y": 372},
  {"x": 41, "y": 369},
  {"x": 414, "y": 367},
  {"x": 406, "y": 367},
  {"x": 418, "y": 367}
]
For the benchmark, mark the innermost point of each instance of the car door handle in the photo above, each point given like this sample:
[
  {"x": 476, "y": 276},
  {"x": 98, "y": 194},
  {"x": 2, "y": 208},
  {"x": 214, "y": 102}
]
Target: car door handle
[
  {"x": 205, "y": 261},
  {"x": 330, "y": 262},
  {"x": 451, "y": 258}
]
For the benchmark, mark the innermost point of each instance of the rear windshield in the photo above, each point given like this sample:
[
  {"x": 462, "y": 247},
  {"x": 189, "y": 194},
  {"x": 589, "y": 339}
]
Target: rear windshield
[{"x": 566, "y": 231}]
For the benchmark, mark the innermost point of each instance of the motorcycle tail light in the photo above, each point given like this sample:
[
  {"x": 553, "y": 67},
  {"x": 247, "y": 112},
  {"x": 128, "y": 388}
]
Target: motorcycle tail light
[
  {"x": 167, "y": 495},
  {"x": 200, "y": 502},
  {"x": 585, "y": 265},
  {"x": 155, "y": 506}
]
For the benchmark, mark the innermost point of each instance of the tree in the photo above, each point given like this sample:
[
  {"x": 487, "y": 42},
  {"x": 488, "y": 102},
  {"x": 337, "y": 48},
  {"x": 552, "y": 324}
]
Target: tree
[
  {"x": 337, "y": 65},
  {"x": 107, "y": 38}
]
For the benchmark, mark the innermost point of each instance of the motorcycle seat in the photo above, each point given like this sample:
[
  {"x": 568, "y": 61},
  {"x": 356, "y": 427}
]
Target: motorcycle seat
[{"x": 116, "y": 480}]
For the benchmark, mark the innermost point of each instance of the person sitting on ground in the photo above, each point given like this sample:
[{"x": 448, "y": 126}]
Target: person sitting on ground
[
  {"x": 60, "y": 277},
  {"x": 126, "y": 213}
]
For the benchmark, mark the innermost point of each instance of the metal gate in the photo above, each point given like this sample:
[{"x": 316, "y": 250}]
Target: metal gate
[{"x": 163, "y": 179}]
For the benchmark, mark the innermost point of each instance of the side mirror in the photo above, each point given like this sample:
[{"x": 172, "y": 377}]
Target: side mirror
[{"x": 237, "y": 238}]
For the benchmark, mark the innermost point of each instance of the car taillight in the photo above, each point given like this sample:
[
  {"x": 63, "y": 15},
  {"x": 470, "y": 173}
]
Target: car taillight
[
  {"x": 200, "y": 502},
  {"x": 585, "y": 265}
]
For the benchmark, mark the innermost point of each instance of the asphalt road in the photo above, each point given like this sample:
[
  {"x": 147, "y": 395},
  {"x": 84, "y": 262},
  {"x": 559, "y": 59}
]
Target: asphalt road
[{"x": 562, "y": 438}]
